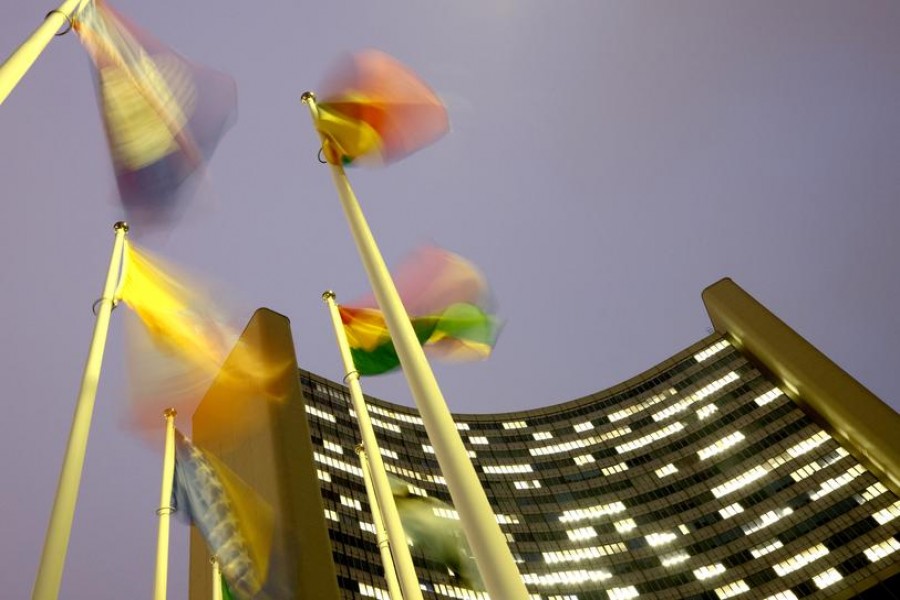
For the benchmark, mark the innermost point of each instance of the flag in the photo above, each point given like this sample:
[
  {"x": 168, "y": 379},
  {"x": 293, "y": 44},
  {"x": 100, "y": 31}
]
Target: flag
[
  {"x": 236, "y": 523},
  {"x": 433, "y": 526},
  {"x": 450, "y": 307},
  {"x": 180, "y": 320},
  {"x": 375, "y": 110},
  {"x": 179, "y": 340},
  {"x": 163, "y": 115}
]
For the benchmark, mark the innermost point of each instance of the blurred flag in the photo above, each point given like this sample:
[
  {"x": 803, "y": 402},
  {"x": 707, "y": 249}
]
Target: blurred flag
[
  {"x": 179, "y": 340},
  {"x": 450, "y": 308},
  {"x": 433, "y": 526},
  {"x": 236, "y": 523},
  {"x": 163, "y": 115},
  {"x": 181, "y": 320},
  {"x": 375, "y": 110}
]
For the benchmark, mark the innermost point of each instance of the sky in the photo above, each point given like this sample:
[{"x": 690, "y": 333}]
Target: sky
[{"x": 606, "y": 162}]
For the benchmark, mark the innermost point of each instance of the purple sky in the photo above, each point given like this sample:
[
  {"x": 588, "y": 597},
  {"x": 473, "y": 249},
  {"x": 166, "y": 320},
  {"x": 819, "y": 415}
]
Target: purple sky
[{"x": 607, "y": 161}]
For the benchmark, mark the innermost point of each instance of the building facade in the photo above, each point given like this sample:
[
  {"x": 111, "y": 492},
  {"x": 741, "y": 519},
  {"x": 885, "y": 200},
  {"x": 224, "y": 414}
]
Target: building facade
[{"x": 722, "y": 472}]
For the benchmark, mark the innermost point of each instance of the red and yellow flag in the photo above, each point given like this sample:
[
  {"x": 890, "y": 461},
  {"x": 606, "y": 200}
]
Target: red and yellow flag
[{"x": 375, "y": 110}]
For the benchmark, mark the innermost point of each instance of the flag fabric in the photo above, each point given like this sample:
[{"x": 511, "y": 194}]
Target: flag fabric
[
  {"x": 163, "y": 115},
  {"x": 433, "y": 526},
  {"x": 374, "y": 110},
  {"x": 179, "y": 340},
  {"x": 236, "y": 523},
  {"x": 450, "y": 307},
  {"x": 180, "y": 319}
]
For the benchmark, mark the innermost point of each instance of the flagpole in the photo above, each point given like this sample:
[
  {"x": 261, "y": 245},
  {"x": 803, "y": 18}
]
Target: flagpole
[
  {"x": 402, "y": 559},
  {"x": 18, "y": 63},
  {"x": 165, "y": 508},
  {"x": 216, "y": 579},
  {"x": 56, "y": 542},
  {"x": 384, "y": 546},
  {"x": 492, "y": 554}
]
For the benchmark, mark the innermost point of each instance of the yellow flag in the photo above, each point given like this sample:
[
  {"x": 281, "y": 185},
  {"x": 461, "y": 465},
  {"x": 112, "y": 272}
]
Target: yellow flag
[{"x": 179, "y": 319}]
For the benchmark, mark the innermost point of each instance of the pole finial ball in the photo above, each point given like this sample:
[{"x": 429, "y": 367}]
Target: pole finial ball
[
  {"x": 328, "y": 295},
  {"x": 170, "y": 412},
  {"x": 307, "y": 96},
  {"x": 121, "y": 225}
]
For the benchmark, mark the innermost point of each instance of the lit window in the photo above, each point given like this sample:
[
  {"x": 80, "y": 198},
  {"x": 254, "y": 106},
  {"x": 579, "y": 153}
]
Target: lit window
[
  {"x": 338, "y": 464},
  {"x": 351, "y": 502},
  {"x": 542, "y": 435},
  {"x": 428, "y": 449},
  {"x": 377, "y": 410},
  {"x": 658, "y": 539},
  {"x": 808, "y": 444},
  {"x": 733, "y": 589},
  {"x": 709, "y": 571},
  {"x": 569, "y": 446},
  {"x": 621, "y": 414},
  {"x": 622, "y": 593},
  {"x": 665, "y": 471},
  {"x": 873, "y": 491},
  {"x": 583, "y": 533},
  {"x": 766, "y": 548},
  {"x": 507, "y": 519},
  {"x": 499, "y": 469},
  {"x": 720, "y": 446},
  {"x": 582, "y": 427},
  {"x": 580, "y": 554},
  {"x": 515, "y": 425},
  {"x": 323, "y": 475},
  {"x": 369, "y": 527},
  {"x": 764, "y": 399},
  {"x": 378, "y": 423},
  {"x": 888, "y": 514},
  {"x": 882, "y": 549},
  {"x": 827, "y": 578},
  {"x": 388, "y": 453},
  {"x": 836, "y": 482},
  {"x": 625, "y": 526},
  {"x": 336, "y": 448},
  {"x": 583, "y": 459},
  {"x": 579, "y": 514},
  {"x": 462, "y": 426},
  {"x": 711, "y": 351},
  {"x": 566, "y": 577},
  {"x": 373, "y": 592},
  {"x": 330, "y": 514},
  {"x": 674, "y": 559},
  {"x": 477, "y": 439},
  {"x": 800, "y": 560},
  {"x": 618, "y": 468},
  {"x": 696, "y": 396},
  {"x": 706, "y": 411},
  {"x": 312, "y": 410},
  {"x": 445, "y": 513},
  {"x": 527, "y": 485},
  {"x": 684, "y": 529},
  {"x": 765, "y": 520},
  {"x": 740, "y": 481},
  {"x": 731, "y": 510},
  {"x": 785, "y": 595},
  {"x": 649, "y": 439}
]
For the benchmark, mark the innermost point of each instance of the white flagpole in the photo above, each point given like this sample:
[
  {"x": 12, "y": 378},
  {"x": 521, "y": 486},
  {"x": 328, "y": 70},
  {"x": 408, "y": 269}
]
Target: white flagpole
[
  {"x": 165, "y": 508},
  {"x": 216, "y": 579},
  {"x": 56, "y": 543},
  {"x": 18, "y": 63},
  {"x": 406, "y": 570},
  {"x": 384, "y": 545},
  {"x": 492, "y": 554}
]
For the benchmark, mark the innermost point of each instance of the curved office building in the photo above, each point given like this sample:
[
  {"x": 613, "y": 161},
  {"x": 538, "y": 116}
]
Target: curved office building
[{"x": 745, "y": 466}]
